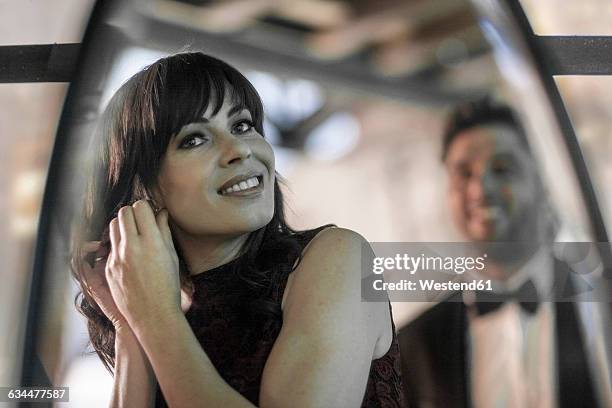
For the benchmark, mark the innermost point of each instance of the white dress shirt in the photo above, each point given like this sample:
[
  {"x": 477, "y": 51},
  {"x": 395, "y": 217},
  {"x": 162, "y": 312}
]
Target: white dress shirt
[{"x": 511, "y": 353}]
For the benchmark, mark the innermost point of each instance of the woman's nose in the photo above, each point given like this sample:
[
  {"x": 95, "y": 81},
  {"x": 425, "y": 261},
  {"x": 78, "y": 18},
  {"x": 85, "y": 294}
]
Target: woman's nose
[{"x": 234, "y": 150}]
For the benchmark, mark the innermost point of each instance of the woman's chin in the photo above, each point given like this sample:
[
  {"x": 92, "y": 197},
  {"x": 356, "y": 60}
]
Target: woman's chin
[
  {"x": 252, "y": 222},
  {"x": 229, "y": 227}
]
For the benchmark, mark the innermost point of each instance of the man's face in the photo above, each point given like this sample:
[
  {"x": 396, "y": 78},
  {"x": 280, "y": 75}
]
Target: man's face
[{"x": 494, "y": 190}]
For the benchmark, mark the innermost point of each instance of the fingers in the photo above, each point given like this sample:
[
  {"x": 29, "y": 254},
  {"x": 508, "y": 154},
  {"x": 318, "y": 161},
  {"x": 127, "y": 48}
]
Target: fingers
[
  {"x": 127, "y": 223},
  {"x": 164, "y": 227},
  {"x": 93, "y": 252},
  {"x": 137, "y": 219},
  {"x": 101, "y": 253},
  {"x": 114, "y": 233},
  {"x": 91, "y": 246},
  {"x": 145, "y": 218},
  {"x": 93, "y": 279},
  {"x": 89, "y": 275}
]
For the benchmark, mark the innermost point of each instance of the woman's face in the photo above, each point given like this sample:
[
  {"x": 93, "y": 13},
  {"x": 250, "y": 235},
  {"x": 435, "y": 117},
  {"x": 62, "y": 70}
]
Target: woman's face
[{"x": 217, "y": 175}]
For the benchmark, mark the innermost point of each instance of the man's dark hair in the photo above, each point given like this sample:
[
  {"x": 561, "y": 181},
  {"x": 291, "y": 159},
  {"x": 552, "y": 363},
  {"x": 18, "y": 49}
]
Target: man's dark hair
[{"x": 479, "y": 113}]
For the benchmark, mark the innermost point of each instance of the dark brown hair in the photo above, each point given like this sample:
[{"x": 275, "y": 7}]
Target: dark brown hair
[
  {"x": 132, "y": 138},
  {"x": 481, "y": 112}
]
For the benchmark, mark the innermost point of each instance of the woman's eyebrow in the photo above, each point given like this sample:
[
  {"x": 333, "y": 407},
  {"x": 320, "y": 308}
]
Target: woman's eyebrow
[
  {"x": 232, "y": 112},
  {"x": 236, "y": 109}
]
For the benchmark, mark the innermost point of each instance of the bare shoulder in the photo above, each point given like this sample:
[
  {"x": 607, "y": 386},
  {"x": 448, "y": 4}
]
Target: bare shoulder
[
  {"x": 327, "y": 329},
  {"x": 330, "y": 277},
  {"x": 334, "y": 253},
  {"x": 339, "y": 242}
]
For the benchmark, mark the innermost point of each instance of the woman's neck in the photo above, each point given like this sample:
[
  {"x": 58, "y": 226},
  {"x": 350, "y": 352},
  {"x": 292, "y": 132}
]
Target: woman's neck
[{"x": 204, "y": 253}]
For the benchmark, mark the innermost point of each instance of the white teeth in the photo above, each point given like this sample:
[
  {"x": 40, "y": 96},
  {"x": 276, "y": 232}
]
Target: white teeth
[
  {"x": 492, "y": 212},
  {"x": 243, "y": 185}
]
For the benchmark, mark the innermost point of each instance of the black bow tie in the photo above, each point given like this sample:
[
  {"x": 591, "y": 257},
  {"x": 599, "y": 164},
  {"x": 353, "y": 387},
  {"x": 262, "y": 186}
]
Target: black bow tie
[{"x": 526, "y": 296}]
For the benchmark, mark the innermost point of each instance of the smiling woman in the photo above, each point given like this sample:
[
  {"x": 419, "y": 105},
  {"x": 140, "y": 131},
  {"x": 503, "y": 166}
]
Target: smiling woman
[
  {"x": 217, "y": 179},
  {"x": 196, "y": 291}
]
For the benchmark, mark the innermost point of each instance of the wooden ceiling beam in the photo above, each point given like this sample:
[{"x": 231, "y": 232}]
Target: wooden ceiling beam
[
  {"x": 318, "y": 14},
  {"x": 402, "y": 57},
  {"x": 396, "y": 20},
  {"x": 219, "y": 17}
]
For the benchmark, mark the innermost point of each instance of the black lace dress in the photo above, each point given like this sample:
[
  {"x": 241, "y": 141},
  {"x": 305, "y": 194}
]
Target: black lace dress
[{"x": 215, "y": 317}]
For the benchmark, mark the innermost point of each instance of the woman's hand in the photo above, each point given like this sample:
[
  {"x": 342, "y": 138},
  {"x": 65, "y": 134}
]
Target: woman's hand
[
  {"x": 97, "y": 287},
  {"x": 142, "y": 269}
]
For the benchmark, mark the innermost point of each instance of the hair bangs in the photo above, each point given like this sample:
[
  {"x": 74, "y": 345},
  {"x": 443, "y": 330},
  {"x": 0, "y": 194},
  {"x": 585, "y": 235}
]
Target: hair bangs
[{"x": 197, "y": 82}]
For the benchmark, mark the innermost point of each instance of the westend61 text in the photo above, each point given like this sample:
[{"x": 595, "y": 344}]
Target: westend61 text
[{"x": 431, "y": 285}]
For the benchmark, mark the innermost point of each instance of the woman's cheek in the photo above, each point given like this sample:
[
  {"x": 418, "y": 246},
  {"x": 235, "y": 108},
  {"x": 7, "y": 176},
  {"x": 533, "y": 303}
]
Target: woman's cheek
[{"x": 265, "y": 152}]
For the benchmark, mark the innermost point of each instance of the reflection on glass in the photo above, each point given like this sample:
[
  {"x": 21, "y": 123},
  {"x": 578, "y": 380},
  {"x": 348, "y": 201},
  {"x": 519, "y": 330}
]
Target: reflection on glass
[
  {"x": 357, "y": 98},
  {"x": 515, "y": 333}
]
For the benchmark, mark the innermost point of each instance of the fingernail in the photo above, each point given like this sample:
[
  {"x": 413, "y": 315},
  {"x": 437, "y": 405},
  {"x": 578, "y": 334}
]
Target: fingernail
[{"x": 92, "y": 244}]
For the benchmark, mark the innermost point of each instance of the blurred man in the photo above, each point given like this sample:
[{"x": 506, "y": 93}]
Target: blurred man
[{"x": 505, "y": 348}]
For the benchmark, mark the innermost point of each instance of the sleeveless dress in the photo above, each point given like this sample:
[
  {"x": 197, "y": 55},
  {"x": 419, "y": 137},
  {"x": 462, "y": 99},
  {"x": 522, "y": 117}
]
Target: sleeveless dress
[{"x": 215, "y": 316}]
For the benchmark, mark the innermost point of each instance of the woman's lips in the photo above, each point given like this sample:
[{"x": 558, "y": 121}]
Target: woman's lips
[{"x": 243, "y": 187}]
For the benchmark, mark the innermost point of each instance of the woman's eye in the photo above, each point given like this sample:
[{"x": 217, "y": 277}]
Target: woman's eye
[
  {"x": 244, "y": 126},
  {"x": 193, "y": 141}
]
